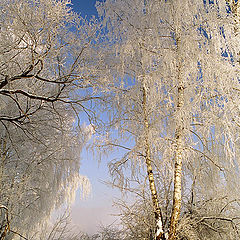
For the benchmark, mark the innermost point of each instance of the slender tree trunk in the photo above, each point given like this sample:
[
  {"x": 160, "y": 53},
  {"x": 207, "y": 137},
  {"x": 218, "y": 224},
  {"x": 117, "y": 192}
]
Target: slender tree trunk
[
  {"x": 159, "y": 234},
  {"x": 177, "y": 193}
]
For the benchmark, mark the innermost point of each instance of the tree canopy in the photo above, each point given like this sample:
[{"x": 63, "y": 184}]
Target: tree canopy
[{"x": 157, "y": 79}]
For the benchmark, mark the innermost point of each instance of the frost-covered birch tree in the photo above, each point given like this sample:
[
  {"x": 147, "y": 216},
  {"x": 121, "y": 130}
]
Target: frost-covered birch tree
[{"x": 185, "y": 54}]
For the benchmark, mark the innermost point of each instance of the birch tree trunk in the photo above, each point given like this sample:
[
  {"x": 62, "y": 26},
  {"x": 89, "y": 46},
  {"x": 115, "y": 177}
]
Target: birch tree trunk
[
  {"x": 159, "y": 233},
  {"x": 177, "y": 194}
]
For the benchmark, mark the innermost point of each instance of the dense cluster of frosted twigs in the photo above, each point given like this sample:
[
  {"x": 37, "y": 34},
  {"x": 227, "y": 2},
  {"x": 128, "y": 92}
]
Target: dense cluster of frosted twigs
[{"x": 155, "y": 80}]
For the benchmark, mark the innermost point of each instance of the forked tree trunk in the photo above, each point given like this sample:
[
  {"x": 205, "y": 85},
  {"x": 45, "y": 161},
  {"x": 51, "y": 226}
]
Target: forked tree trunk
[
  {"x": 177, "y": 193},
  {"x": 159, "y": 232}
]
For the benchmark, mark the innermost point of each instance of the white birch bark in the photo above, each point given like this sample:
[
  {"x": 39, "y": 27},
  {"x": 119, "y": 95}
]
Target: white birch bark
[
  {"x": 159, "y": 233},
  {"x": 177, "y": 193}
]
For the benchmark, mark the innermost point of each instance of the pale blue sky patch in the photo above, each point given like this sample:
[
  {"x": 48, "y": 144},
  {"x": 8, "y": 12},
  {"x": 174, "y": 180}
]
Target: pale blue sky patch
[{"x": 88, "y": 214}]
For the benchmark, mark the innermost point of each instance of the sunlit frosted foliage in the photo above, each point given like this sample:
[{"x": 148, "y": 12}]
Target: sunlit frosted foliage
[
  {"x": 209, "y": 69},
  {"x": 40, "y": 140}
]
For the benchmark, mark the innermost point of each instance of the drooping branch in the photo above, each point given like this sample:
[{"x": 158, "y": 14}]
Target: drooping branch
[{"x": 31, "y": 96}]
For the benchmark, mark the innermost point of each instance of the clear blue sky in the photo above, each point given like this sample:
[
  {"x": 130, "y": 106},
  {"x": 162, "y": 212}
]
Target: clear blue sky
[{"x": 85, "y": 7}]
